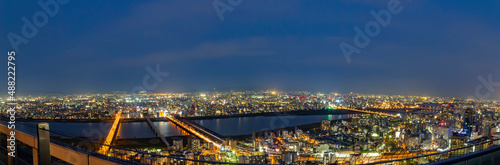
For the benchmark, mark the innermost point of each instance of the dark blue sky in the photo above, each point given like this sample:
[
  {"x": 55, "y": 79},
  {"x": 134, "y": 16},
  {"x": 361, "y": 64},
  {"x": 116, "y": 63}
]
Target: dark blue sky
[{"x": 429, "y": 48}]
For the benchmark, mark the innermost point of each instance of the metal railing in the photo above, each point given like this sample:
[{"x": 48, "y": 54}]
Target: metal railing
[
  {"x": 123, "y": 155},
  {"x": 132, "y": 157},
  {"x": 468, "y": 152}
]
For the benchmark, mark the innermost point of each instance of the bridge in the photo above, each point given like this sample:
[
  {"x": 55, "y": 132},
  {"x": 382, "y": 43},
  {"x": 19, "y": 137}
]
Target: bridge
[
  {"x": 197, "y": 131},
  {"x": 57, "y": 150},
  {"x": 108, "y": 154},
  {"x": 372, "y": 112},
  {"x": 207, "y": 135},
  {"x": 111, "y": 134},
  {"x": 486, "y": 152},
  {"x": 157, "y": 131},
  {"x": 81, "y": 151}
]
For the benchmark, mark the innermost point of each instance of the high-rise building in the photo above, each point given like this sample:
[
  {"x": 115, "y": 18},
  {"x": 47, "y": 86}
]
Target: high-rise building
[
  {"x": 289, "y": 157},
  {"x": 457, "y": 141},
  {"x": 469, "y": 124},
  {"x": 325, "y": 124},
  {"x": 284, "y": 134},
  {"x": 192, "y": 110},
  {"x": 258, "y": 159},
  {"x": 194, "y": 143},
  {"x": 177, "y": 144},
  {"x": 244, "y": 159},
  {"x": 233, "y": 144}
]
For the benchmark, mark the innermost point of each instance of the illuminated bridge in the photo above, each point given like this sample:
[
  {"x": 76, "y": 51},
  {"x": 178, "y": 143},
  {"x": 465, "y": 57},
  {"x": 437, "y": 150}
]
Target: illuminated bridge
[
  {"x": 66, "y": 149},
  {"x": 372, "y": 112},
  {"x": 206, "y": 135},
  {"x": 196, "y": 130},
  {"x": 111, "y": 134},
  {"x": 61, "y": 147},
  {"x": 59, "y": 152},
  {"x": 157, "y": 131}
]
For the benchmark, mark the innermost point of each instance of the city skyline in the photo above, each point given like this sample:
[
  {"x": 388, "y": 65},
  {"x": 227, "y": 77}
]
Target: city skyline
[
  {"x": 288, "y": 82},
  {"x": 266, "y": 127},
  {"x": 146, "y": 92},
  {"x": 258, "y": 45}
]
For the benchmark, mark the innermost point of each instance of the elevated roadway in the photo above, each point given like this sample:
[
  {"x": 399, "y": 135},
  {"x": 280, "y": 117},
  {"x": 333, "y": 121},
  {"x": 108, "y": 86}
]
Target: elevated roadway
[
  {"x": 111, "y": 135},
  {"x": 197, "y": 131},
  {"x": 372, "y": 112},
  {"x": 157, "y": 131}
]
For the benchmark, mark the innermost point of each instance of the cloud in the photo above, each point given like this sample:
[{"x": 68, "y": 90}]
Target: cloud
[
  {"x": 365, "y": 2},
  {"x": 208, "y": 50},
  {"x": 158, "y": 13},
  {"x": 84, "y": 46}
]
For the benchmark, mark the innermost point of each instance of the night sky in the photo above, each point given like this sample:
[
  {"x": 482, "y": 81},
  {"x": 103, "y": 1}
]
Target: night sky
[{"x": 436, "y": 48}]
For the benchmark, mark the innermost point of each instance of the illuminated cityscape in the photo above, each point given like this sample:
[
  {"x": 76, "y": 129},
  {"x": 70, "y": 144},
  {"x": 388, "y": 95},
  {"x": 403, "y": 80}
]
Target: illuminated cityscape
[
  {"x": 377, "y": 128},
  {"x": 243, "y": 82}
]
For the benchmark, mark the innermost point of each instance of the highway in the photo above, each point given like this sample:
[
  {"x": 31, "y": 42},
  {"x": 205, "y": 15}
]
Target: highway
[
  {"x": 372, "y": 112},
  {"x": 111, "y": 134},
  {"x": 192, "y": 130}
]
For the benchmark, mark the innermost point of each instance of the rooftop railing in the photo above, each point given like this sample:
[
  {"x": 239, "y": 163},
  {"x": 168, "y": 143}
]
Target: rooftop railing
[
  {"x": 124, "y": 155},
  {"x": 471, "y": 151}
]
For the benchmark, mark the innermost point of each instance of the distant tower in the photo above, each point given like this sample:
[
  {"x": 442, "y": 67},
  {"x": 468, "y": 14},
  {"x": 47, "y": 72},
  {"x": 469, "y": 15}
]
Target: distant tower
[
  {"x": 193, "y": 109},
  {"x": 469, "y": 121},
  {"x": 325, "y": 125}
]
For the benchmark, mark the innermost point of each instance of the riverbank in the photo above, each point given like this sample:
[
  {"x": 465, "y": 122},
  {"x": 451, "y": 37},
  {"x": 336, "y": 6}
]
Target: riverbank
[
  {"x": 304, "y": 128},
  {"x": 141, "y": 143},
  {"x": 287, "y": 113}
]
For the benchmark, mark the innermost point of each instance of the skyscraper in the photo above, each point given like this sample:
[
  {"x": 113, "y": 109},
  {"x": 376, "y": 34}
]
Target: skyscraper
[{"x": 469, "y": 124}]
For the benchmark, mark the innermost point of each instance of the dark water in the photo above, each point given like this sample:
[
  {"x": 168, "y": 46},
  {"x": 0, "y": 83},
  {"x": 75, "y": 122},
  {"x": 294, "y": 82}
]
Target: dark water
[
  {"x": 96, "y": 130},
  {"x": 224, "y": 126},
  {"x": 135, "y": 130},
  {"x": 142, "y": 130},
  {"x": 170, "y": 129},
  {"x": 245, "y": 125},
  {"x": 101, "y": 130}
]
